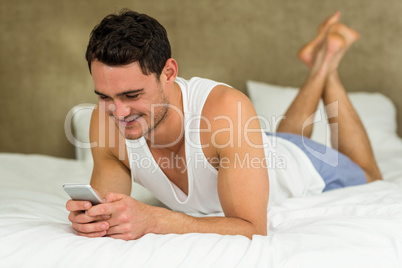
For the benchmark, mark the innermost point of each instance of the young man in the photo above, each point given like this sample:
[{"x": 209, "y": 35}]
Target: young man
[{"x": 197, "y": 145}]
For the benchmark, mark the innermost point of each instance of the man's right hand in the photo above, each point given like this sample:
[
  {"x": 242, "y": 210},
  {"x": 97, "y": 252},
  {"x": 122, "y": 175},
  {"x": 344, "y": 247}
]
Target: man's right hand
[{"x": 83, "y": 224}]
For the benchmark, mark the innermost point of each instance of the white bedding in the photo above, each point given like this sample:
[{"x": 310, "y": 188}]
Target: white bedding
[
  {"x": 353, "y": 227},
  {"x": 343, "y": 228}
]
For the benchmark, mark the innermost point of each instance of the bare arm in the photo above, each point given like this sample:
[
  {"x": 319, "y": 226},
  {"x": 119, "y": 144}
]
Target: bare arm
[
  {"x": 243, "y": 189},
  {"x": 243, "y": 184},
  {"x": 110, "y": 174}
]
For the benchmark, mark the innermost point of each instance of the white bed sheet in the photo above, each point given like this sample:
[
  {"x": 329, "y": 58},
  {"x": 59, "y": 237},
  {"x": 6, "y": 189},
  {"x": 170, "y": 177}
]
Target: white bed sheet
[{"x": 352, "y": 227}]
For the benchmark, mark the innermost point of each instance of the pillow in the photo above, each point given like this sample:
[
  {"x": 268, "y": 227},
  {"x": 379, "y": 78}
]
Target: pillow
[
  {"x": 377, "y": 112},
  {"x": 81, "y": 118},
  {"x": 271, "y": 103}
]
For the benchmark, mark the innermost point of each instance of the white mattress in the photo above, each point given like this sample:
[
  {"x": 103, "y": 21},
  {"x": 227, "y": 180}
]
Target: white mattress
[{"x": 352, "y": 227}]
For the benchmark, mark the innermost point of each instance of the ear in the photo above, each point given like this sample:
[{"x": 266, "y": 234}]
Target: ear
[{"x": 170, "y": 70}]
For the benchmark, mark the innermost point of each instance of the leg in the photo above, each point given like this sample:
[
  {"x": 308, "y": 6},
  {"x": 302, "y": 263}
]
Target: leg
[
  {"x": 352, "y": 137},
  {"x": 353, "y": 140},
  {"x": 349, "y": 131},
  {"x": 349, "y": 136},
  {"x": 317, "y": 55}
]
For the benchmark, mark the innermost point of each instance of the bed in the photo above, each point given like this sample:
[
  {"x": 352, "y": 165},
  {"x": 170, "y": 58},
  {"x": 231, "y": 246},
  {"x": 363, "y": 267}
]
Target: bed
[{"x": 358, "y": 226}]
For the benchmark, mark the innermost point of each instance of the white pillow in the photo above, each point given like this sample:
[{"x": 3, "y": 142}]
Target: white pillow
[
  {"x": 376, "y": 111},
  {"x": 81, "y": 118}
]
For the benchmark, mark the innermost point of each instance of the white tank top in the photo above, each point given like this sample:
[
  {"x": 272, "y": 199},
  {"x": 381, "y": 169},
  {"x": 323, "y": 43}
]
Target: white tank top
[{"x": 290, "y": 171}]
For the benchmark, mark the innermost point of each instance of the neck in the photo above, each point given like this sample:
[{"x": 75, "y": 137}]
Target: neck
[{"x": 169, "y": 134}]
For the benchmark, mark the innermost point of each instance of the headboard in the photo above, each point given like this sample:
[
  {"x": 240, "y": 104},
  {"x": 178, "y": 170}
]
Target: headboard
[{"x": 44, "y": 73}]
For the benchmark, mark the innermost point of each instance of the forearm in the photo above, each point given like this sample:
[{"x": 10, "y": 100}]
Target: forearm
[
  {"x": 131, "y": 219},
  {"x": 167, "y": 221}
]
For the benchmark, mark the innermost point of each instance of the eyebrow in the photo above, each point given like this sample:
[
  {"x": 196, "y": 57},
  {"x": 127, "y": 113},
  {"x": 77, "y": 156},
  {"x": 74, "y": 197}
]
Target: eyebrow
[{"x": 135, "y": 91}]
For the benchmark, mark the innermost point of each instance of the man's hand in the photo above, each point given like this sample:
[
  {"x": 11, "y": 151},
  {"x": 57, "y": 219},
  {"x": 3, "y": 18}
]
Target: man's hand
[
  {"x": 129, "y": 218},
  {"x": 84, "y": 224},
  {"x": 123, "y": 217}
]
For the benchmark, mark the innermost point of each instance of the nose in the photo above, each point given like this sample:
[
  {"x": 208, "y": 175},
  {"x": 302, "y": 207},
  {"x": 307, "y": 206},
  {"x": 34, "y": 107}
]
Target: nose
[{"x": 119, "y": 109}]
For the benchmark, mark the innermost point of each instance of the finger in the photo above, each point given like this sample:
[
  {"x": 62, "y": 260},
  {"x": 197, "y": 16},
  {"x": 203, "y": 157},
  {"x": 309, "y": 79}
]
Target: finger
[
  {"x": 119, "y": 220},
  {"x": 73, "y": 205},
  {"x": 121, "y": 230},
  {"x": 87, "y": 228},
  {"x": 107, "y": 208},
  {"x": 114, "y": 232},
  {"x": 73, "y": 217},
  {"x": 118, "y": 236},
  {"x": 96, "y": 234},
  {"x": 81, "y": 217},
  {"x": 101, "y": 209},
  {"x": 117, "y": 233}
]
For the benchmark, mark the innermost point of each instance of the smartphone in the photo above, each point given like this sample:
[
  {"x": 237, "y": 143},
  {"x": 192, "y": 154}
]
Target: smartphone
[{"x": 82, "y": 192}]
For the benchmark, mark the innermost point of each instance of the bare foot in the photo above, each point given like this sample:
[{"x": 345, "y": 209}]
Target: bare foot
[
  {"x": 349, "y": 37},
  {"x": 348, "y": 34},
  {"x": 329, "y": 53},
  {"x": 333, "y": 46},
  {"x": 307, "y": 53}
]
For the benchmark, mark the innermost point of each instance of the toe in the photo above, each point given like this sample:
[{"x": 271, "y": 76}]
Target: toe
[
  {"x": 347, "y": 33},
  {"x": 329, "y": 21}
]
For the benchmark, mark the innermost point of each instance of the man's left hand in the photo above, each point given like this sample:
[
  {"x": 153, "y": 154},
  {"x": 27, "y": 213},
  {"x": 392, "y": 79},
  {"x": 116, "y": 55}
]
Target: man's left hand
[{"x": 129, "y": 219}]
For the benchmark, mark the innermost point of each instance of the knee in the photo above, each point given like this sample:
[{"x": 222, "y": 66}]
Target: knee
[{"x": 373, "y": 176}]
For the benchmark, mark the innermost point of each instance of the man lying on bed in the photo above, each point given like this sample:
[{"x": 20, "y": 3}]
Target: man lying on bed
[{"x": 197, "y": 145}]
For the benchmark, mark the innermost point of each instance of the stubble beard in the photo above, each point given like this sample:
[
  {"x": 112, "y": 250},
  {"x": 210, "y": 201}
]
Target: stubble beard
[{"x": 155, "y": 121}]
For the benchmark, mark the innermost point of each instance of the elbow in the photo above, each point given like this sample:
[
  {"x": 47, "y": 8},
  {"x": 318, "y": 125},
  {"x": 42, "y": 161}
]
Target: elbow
[
  {"x": 261, "y": 231},
  {"x": 257, "y": 229},
  {"x": 256, "y": 232},
  {"x": 260, "y": 226}
]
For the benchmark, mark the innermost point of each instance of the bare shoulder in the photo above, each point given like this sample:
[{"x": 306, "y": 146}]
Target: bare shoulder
[
  {"x": 226, "y": 100},
  {"x": 231, "y": 104},
  {"x": 228, "y": 117}
]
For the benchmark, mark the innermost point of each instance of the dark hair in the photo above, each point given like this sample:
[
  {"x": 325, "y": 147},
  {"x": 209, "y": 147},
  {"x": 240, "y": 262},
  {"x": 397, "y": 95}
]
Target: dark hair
[{"x": 129, "y": 37}]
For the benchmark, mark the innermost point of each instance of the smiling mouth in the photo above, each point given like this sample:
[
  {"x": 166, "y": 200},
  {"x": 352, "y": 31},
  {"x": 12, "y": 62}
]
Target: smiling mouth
[{"x": 128, "y": 122}]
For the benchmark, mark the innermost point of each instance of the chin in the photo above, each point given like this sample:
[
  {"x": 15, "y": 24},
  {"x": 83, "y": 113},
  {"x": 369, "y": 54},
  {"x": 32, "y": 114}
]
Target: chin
[
  {"x": 134, "y": 133},
  {"x": 132, "y": 136}
]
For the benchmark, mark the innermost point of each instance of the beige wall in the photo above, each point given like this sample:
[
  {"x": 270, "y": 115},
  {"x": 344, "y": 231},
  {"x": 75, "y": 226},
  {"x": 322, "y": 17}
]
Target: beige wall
[{"x": 43, "y": 72}]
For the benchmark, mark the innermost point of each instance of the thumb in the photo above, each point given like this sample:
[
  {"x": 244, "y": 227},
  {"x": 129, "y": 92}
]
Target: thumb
[{"x": 113, "y": 197}]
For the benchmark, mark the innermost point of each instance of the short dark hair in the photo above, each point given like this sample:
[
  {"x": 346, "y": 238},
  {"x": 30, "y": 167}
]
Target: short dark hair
[{"x": 129, "y": 37}]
